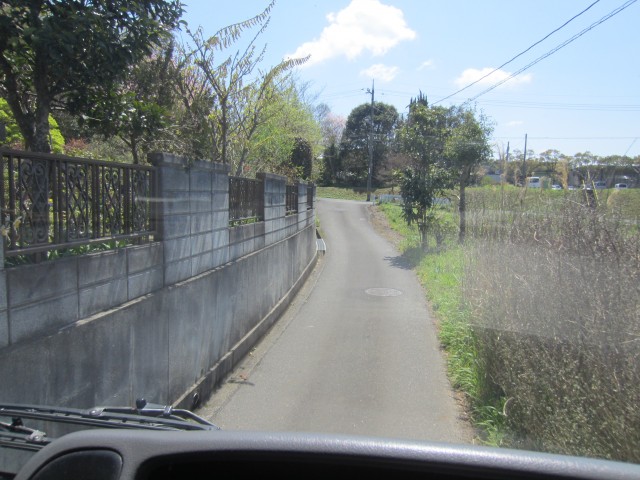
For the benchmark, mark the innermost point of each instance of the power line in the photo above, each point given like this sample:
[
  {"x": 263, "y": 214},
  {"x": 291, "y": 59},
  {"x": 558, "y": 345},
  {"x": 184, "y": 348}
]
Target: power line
[
  {"x": 570, "y": 138},
  {"x": 520, "y": 54},
  {"x": 634, "y": 141},
  {"x": 565, "y": 106},
  {"x": 554, "y": 50}
]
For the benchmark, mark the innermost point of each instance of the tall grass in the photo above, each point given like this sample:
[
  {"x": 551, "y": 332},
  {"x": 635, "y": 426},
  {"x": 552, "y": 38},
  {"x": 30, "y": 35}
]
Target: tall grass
[
  {"x": 539, "y": 313},
  {"x": 554, "y": 293}
]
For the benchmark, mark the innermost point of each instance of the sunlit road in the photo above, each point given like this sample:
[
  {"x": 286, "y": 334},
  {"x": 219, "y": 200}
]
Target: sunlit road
[{"x": 356, "y": 352}]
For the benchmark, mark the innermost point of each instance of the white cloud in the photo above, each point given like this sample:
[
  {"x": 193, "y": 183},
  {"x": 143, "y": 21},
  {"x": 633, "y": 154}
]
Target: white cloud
[
  {"x": 363, "y": 26},
  {"x": 514, "y": 123},
  {"x": 380, "y": 72},
  {"x": 426, "y": 64},
  {"x": 471, "y": 75}
]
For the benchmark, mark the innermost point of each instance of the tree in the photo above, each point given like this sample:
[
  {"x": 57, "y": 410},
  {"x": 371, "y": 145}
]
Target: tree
[
  {"x": 150, "y": 122},
  {"x": 14, "y": 138},
  {"x": 422, "y": 138},
  {"x": 358, "y": 132},
  {"x": 142, "y": 111},
  {"x": 241, "y": 92},
  {"x": 330, "y": 165},
  {"x": 419, "y": 187},
  {"x": 194, "y": 100},
  {"x": 331, "y": 127},
  {"x": 467, "y": 146},
  {"x": 287, "y": 122},
  {"x": 72, "y": 54},
  {"x": 302, "y": 157},
  {"x": 563, "y": 170}
]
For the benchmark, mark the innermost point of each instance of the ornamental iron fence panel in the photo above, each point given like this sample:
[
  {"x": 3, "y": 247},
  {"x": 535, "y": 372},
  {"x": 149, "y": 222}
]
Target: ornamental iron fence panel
[
  {"x": 292, "y": 199},
  {"x": 49, "y": 202},
  {"x": 246, "y": 200}
]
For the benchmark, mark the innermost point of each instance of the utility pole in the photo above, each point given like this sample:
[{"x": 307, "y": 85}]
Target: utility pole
[
  {"x": 524, "y": 162},
  {"x": 370, "y": 146},
  {"x": 505, "y": 166}
]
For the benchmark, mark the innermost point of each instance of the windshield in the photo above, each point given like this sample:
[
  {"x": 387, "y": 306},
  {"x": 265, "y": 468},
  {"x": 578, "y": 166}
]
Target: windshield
[{"x": 390, "y": 218}]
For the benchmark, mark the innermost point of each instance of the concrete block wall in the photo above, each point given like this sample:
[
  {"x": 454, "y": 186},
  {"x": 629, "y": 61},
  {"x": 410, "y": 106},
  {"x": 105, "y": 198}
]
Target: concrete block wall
[
  {"x": 164, "y": 320},
  {"x": 192, "y": 216},
  {"x": 275, "y": 207},
  {"x": 46, "y": 297},
  {"x": 193, "y": 237}
]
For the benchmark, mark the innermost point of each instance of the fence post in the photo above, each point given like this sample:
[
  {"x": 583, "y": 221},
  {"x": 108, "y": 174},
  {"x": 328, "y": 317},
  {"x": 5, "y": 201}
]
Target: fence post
[
  {"x": 302, "y": 196},
  {"x": 173, "y": 215},
  {"x": 191, "y": 215},
  {"x": 275, "y": 206},
  {"x": 4, "y": 315}
]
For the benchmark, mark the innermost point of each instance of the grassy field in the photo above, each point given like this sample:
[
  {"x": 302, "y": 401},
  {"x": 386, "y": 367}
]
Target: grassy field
[
  {"x": 346, "y": 193},
  {"x": 539, "y": 313}
]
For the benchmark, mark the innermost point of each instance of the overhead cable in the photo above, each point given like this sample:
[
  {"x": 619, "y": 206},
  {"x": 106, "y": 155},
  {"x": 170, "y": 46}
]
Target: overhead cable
[
  {"x": 554, "y": 50},
  {"x": 520, "y": 54}
]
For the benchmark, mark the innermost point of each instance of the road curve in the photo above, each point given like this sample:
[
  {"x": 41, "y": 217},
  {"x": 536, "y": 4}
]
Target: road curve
[{"x": 355, "y": 353}]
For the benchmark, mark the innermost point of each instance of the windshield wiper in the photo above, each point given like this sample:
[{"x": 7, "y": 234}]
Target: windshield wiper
[
  {"x": 16, "y": 435},
  {"x": 144, "y": 415}
]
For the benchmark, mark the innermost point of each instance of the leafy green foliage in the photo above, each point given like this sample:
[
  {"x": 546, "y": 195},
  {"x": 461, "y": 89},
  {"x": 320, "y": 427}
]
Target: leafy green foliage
[
  {"x": 302, "y": 157},
  {"x": 241, "y": 91},
  {"x": 466, "y": 148},
  {"x": 69, "y": 252},
  {"x": 143, "y": 107},
  {"x": 330, "y": 165},
  {"x": 13, "y": 136},
  {"x": 72, "y": 55},
  {"x": 287, "y": 138},
  {"x": 420, "y": 187},
  {"x": 422, "y": 138},
  {"x": 358, "y": 135}
]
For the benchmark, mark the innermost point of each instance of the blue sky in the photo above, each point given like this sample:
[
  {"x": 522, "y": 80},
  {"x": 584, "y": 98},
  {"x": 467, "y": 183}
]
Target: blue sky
[{"x": 573, "y": 96}]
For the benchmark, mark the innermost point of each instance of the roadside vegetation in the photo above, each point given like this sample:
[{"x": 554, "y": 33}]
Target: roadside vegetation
[
  {"x": 539, "y": 313},
  {"x": 354, "y": 193}
]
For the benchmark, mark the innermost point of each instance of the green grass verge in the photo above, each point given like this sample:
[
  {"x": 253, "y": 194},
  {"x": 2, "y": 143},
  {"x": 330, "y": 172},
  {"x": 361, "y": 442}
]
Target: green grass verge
[
  {"x": 441, "y": 273},
  {"x": 348, "y": 193}
]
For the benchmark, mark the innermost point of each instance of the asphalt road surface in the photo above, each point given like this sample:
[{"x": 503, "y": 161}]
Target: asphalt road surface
[{"x": 355, "y": 353}]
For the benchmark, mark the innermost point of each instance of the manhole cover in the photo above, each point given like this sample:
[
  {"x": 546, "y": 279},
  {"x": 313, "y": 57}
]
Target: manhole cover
[{"x": 383, "y": 292}]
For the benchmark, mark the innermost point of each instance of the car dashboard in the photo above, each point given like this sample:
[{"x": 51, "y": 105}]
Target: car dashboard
[{"x": 114, "y": 454}]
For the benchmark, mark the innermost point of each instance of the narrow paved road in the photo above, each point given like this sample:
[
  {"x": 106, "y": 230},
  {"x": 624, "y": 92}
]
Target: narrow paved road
[{"x": 355, "y": 353}]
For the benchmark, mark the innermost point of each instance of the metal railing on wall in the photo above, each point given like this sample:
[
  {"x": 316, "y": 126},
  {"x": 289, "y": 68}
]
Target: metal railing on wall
[
  {"x": 49, "y": 202},
  {"x": 246, "y": 200},
  {"x": 292, "y": 199},
  {"x": 54, "y": 203}
]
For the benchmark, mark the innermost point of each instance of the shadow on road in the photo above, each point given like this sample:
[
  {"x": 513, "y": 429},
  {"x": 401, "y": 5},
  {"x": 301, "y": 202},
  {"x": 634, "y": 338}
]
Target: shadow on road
[{"x": 404, "y": 261}]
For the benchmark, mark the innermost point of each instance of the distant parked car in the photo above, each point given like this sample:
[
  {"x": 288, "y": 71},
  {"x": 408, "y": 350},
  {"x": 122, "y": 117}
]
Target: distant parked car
[
  {"x": 556, "y": 187},
  {"x": 599, "y": 185},
  {"x": 620, "y": 186},
  {"x": 534, "y": 182}
]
